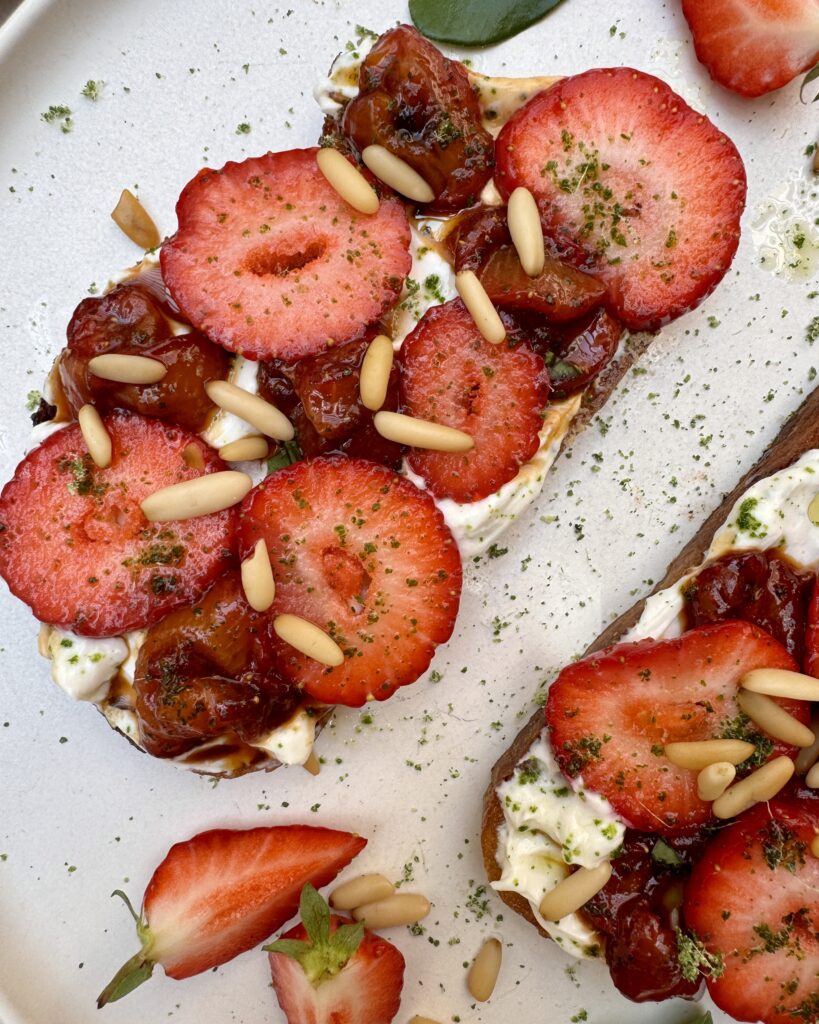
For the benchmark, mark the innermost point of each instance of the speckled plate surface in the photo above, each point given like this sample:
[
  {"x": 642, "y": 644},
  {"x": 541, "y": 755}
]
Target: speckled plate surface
[{"x": 81, "y": 811}]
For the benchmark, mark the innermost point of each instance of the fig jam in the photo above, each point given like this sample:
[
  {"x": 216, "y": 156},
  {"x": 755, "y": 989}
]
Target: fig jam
[
  {"x": 206, "y": 671},
  {"x": 755, "y": 586},
  {"x": 129, "y": 320}
]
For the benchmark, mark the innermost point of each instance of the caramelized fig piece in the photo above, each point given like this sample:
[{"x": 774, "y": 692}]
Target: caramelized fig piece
[
  {"x": 421, "y": 107},
  {"x": 208, "y": 670},
  {"x": 575, "y": 352},
  {"x": 129, "y": 320}
]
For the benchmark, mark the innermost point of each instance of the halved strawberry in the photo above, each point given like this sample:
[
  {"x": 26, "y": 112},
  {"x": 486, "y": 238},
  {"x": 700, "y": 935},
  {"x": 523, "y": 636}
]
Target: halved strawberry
[
  {"x": 269, "y": 261},
  {"x": 611, "y": 714},
  {"x": 752, "y": 903},
  {"x": 649, "y": 187},
  {"x": 330, "y": 970},
  {"x": 496, "y": 393},
  {"x": 754, "y": 46},
  {"x": 224, "y": 891},
  {"x": 75, "y": 546},
  {"x": 811, "y": 660},
  {"x": 365, "y": 555}
]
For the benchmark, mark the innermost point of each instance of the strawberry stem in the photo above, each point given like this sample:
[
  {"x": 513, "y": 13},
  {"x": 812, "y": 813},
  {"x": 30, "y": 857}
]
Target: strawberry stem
[{"x": 130, "y": 976}]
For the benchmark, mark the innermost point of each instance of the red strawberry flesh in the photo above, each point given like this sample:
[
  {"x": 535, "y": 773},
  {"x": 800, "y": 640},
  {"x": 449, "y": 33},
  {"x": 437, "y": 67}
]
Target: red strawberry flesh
[
  {"x": 75, "y": 546},
  {"x": 751, "y": 900},
  {"x": 611, "y": 715},
  {"x": 269, "y": 261},
  {"x": 754, "y": 46},
  {"x": 225, "y": 891},
  {"x": 495, "y": 393},
  {"x": 366, "y": 556},
  {"x": 649, "y": 188}
]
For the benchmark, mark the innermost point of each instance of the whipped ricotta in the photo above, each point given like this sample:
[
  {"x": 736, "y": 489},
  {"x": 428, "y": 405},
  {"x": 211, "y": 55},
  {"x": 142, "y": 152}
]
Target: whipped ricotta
[
  {"x": 84, "y": 666},
  {"x": 550, "y": 824}
]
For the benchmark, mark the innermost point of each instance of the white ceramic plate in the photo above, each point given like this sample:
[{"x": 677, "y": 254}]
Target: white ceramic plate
[{"x": 83, "y": 813}]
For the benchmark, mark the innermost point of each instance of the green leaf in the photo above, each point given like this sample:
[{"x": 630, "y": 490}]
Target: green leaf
[
  {"x": 130, "y": 976},
  {"x": 704, "y": 1018},
  {"x": 476, "y": 22},
  {"x": 315, "y": 916},
  {"x": 325, "y": 954},
  {"x": 288, "y": 453},
  {"x": 811, "y": 76},
  {"x": 663, "y": 854}
]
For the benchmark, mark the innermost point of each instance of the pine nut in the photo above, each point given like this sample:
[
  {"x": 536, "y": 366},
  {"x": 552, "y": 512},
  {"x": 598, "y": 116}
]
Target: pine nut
[
  {"x": 193, "y": 458},
  {"x": 777, "y": 682},
  {"x": 347, "y": 180},
  {"x": 812, "y": 778},
  {"x": 483, "y": 974},
  {"x": 312, "y": 764},
  {"x": 132, "y": 218},
  {"x": 397, "y": 173},
  {"x": 43, "y": 636},
  {"x": 402, "y": 908},
  {"x": 360, "y": 891},
  {"x": 127, "y": 369},
  {"x": 417, "y": 433},
  {"x": 375, "y": 372},
  {"x": 423, "y": 1020},
  {"x": 246, "y": 449},
  {"x": 308, "y": 639},
  {"x": 257, "y": 578},
  {"x": 96, "y": 437},
  {"x": 813, "y": 508},
  {"x": 526, "y": 230},
  {"x": 773, "y": 719},
  {"x": 200, "y": 497},
  {"x": 763, "y": 784},
  {"x": 715, "y": 779},
  {"x": 698, "y": 754},
  {"x": 251, "y": 408},
  {"x": 474, "y": 297},
  {"x": 808, "y": 756},
  {"x": 814, "y": 846},
  {"x": 575, "y": 890}
]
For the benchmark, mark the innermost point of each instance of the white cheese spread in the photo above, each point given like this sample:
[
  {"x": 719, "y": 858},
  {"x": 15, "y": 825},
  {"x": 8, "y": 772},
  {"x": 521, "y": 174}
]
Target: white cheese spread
[{"x": 84, "y": 666}]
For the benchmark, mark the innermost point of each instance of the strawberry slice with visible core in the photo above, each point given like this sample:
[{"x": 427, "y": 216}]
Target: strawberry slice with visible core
[
  {"x": 751, "y": 901},
  {"x": 754, "y": 46},
  {"x": 496, "y": 393},
  {"x": 611, "y": 714},
  {"x": 651, "y": 190},
  {"x": 330, "y": 970},
  {"x": 223, "y": 892},
  {"x": 271, "y": 262},
  {"x": 75, "y": 546},
  {"x": 366, "y": 556}
]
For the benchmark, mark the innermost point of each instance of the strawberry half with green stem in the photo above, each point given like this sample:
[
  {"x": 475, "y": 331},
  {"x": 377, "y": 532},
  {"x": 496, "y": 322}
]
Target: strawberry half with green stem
[
  {"x": 650, "y": 189},
  {"x": 331, "y": 970},
  {"x": 223, "y": 892},
  {"x": 752, "y": 904},
  {"x": 610, "y": 716},
  {"x": 754, "y": 46}
]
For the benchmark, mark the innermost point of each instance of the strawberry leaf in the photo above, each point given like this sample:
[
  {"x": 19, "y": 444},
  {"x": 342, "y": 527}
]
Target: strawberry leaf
[
  {"x": 130, "y": 976},
  {"x": 478, "y": 22},
  {"x": 325, "y": 954},
  {"x": 811, "y": 76}
]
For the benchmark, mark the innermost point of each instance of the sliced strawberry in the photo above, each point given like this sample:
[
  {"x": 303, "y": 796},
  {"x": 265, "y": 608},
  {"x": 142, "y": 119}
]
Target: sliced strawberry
[
  {"x": 752, "y": 902},
  {"x": 811, "y": 662},
  {"x": 650, "y": 188},
  {"x": 330, "y": 970},
  {"x": 365, "y": 555},
  {"x": 75, "y": 546},
  {"x": 754, "y": 46},
  {"x": 496, "y": 393},
  {"x": 269, "y": 261},
  {"x": 611, "y": 714},
  {"x": 560, "y": 292},
  {"x": 223, "y": 892}
]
